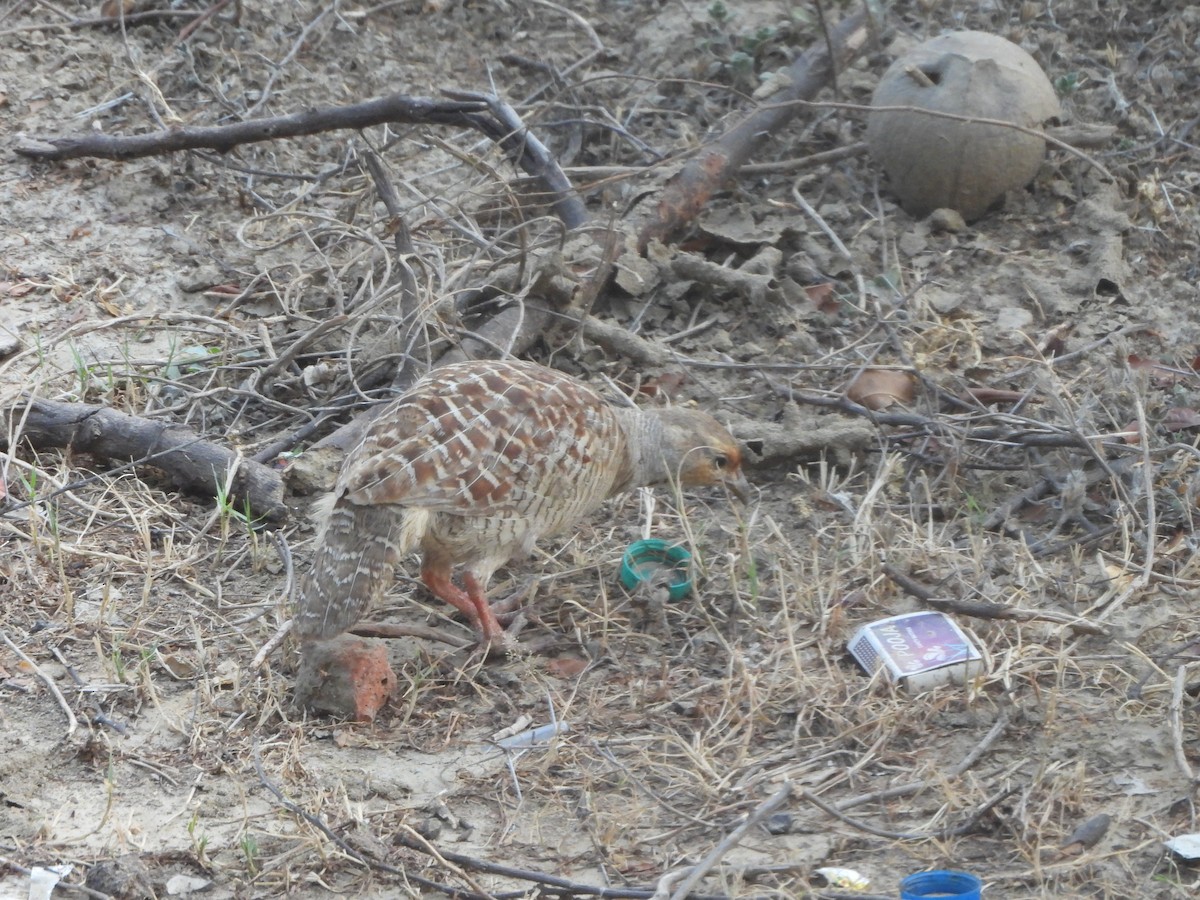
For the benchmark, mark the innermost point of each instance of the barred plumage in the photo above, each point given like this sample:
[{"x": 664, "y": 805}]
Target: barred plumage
[{"x": 474, "y": 464}]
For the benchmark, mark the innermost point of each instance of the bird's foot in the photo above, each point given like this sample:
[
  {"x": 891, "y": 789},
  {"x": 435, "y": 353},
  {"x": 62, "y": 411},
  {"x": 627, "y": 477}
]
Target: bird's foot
[
  {"x": 508, "y": 609},
  {"x": 499, "y": 644}
]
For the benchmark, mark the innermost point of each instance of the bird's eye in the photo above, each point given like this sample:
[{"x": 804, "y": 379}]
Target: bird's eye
[{"x": 720, "y": 461}]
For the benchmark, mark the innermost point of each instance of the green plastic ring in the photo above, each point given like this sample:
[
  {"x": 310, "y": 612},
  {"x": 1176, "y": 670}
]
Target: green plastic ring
[{"x": 644, "y": 560}]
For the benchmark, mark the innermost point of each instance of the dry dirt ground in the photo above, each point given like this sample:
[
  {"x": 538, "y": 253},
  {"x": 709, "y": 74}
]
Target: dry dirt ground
[{"x": 1046, "y": 462}]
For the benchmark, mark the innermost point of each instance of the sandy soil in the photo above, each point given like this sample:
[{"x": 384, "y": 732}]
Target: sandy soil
[{"x": 1064, "y": 487}]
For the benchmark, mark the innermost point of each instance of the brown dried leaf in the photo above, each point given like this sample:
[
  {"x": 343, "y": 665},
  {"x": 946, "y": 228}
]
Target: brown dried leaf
[
  {"x": 1180, "y": 418},
  {"x": 665, "y": 385},
  {"x": 16, "y": 288},
  {"x": 566, "y": 666},
  {"x": 1161, "y": 374},
  {"x": 823, "y": 297},
  {"x": 1055, "y": 343},
  {"x": 111, "y": 9},
  {"x": 882, "y": 388}
]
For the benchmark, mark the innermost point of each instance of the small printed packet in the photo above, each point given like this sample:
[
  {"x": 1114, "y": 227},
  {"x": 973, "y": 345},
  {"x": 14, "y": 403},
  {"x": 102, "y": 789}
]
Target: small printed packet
[{"x": 918, "y": 650}]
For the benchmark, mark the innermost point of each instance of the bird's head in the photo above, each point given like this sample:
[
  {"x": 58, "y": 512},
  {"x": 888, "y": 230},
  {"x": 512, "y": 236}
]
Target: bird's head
[{"x": 700, "y": 451}]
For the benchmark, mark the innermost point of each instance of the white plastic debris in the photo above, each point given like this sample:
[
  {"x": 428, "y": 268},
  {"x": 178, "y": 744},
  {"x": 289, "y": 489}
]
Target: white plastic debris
[
  {"x": 1185, "y": 845},
  {"x": 44, "y": 879},
  {"x": 531, "y": 737},
  {"x": 844, "y": 878},
  {"x": 177, "y": 885}
]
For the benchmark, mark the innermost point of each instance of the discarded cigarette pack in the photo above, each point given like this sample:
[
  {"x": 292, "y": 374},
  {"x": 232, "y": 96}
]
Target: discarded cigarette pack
[{"x": 918, "y": 650}]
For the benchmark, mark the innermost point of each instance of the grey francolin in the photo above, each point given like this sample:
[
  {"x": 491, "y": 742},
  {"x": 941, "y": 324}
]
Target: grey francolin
[{"x": 474, "y": 464}]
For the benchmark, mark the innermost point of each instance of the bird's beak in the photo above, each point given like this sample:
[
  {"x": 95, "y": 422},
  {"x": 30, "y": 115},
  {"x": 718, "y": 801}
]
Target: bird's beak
[{"x": 739, "y": 486}]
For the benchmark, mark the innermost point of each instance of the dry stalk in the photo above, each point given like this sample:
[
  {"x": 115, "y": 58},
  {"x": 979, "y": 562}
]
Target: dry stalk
[
  {"x": 731, "y": 840},
  {"x": 1176, "y": 717},
  {"x": 72, "y": 724}
]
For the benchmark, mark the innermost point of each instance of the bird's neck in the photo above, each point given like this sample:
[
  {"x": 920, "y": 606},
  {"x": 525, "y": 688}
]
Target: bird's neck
[{"x": 645, "y": 447}]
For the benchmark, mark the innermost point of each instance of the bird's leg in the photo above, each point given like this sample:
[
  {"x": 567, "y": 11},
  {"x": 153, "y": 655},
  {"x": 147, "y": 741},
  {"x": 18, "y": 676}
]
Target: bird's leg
[
  {"x": 489, "y": 626},
  {"x": 438, "y": 580},
  {"x": 472, "y": 602}
]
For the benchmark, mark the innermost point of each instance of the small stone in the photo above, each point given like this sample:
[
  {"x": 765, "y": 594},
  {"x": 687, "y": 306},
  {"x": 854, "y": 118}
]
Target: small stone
[
  {"x": 780, "y": 823},
  {"x": 9, "y": 344},
  {"x": 347, "y": 677},
  {"x": 126, "y": 878},
  {"x": 946, "y": 219}
]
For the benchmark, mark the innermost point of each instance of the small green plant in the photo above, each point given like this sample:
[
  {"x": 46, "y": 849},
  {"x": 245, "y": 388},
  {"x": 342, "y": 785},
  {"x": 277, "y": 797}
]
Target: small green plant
[
  {"x": 126, "y": 667},
  {"x": 199, "y": 843},
  {"x": 83, "y": 372},
  {"x": 225, "y": 509},
  {"x": 250, "y": 851},
  {"x": 740, "y": 55},
  {"x": 228, "y": 513},
  {"x": 117, "y": 658},
  {"x": 975, "y": 509},
  {"x": 1067, "y": 84},
  {"x": 29, "y": 483},
  {"x": 752, "y": 43}
]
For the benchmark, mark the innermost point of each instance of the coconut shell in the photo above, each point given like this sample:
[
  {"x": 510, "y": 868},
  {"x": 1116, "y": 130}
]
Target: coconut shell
[{"x": 933, "y": 162}]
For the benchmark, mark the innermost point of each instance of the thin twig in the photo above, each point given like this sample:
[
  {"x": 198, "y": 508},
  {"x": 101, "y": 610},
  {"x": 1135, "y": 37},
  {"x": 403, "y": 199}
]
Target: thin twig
[
  {"x": 1176, "y": 713},
  {"x": 914, "y": 787},
  {"x": 72, "y": 724},
  {"x": 970, "y": 120},
  {"x": 731, "y": 840}
]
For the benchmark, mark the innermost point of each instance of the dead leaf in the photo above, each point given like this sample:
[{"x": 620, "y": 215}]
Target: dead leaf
[
  {"x": 111, "y": 9},
  {"x": 16, "y": 289},
  {"x": 566, "y": 666},
  {"x": 1180, "y": 418},
  {"x": 1161, "y": 375},
  {"x": 1131, "y": 433},
  {"x": 1055, "y": 343},
  {"x": 823, "y": 297},
  {"x": 665, "y": 385},
  {"x": 180, "y": 666},
  {"x": 882, "y": 388}
]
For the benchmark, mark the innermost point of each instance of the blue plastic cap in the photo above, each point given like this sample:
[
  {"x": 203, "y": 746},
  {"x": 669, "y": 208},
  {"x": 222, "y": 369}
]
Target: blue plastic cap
[{"x": 942, "y": 884}]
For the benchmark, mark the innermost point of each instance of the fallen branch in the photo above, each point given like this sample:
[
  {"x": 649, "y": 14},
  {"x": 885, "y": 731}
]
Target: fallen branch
[
  {"x": 682, "y": 200},
  {"x": 396, "y": 108},
  {"x": 500, "y": 123},
  {"x": 192, "y": 463},
  {"x": 689, "y": 191}
]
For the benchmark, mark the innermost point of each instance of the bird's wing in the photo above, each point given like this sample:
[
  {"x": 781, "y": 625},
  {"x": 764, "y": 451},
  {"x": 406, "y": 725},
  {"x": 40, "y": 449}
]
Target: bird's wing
[{"x": 481, "y": 448}]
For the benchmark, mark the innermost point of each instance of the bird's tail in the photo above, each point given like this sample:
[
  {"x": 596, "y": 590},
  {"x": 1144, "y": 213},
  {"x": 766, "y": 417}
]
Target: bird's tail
[{"x": 357, "y": 552}]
